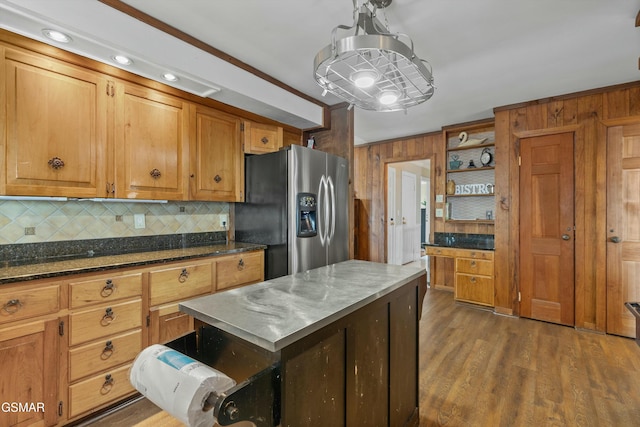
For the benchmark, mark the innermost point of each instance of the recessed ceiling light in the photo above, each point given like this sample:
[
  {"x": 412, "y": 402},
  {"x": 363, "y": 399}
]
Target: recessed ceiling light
[
  {"x": 56, "y": 36},
  {"x": 170, "y": 77},
  {"x": 121, "y": 59}
]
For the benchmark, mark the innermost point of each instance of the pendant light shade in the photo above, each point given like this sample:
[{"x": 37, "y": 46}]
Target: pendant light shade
[{"x": 372, "y": 69}]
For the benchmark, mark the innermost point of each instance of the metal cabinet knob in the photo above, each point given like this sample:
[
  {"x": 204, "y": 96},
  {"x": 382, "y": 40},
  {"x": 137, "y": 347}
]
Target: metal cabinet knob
[
  {"x": 566, "y": 237},
  {"x": 616, "y": 239}
]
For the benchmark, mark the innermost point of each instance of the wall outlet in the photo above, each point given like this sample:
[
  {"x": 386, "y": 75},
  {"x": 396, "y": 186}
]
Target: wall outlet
[
  {"x": 439, "y": 198},
  {"x": 138, "y": 221},
  {"x": 439, "y": 213},
  {"x": 29, "y": 231},
  {"x": 224, "y": 220}
]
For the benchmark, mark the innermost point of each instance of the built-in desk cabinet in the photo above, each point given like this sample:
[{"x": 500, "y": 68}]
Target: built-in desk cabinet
[
  {"x": 472, "y": 274},
  {"x": 69, "y": 342}
]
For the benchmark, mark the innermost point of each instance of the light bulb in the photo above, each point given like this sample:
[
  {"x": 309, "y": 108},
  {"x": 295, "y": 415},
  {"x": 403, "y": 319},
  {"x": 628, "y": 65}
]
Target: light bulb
[
  {"x": 364, "y": 78},
  {"x": 388, "y": 97}
]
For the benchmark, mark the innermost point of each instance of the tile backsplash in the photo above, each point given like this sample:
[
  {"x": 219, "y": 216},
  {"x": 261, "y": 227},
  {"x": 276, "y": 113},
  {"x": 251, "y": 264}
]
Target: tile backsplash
[{"x": 30, "y": 221}]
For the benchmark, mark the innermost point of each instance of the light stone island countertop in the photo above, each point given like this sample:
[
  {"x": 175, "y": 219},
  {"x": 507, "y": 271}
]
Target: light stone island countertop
[{"x": 278, "y": 312}]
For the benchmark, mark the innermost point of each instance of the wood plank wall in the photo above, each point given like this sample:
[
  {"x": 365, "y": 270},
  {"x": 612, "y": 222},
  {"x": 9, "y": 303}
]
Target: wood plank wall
[
  {"x": 371, "y": 181},
  {"x": 587, "y": 116}
]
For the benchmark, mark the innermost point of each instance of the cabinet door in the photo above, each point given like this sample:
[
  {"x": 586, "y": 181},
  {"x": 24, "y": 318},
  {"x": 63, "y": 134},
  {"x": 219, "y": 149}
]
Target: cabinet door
[
  {"x": 217, "y": 160},
  {"x": 151, "y": 137},
  {"x": 167, "y": 323},
  {"x": 261, "y": 138},
  {"x": 28, "y": 355},
  {"x": 55, "y": 127}
]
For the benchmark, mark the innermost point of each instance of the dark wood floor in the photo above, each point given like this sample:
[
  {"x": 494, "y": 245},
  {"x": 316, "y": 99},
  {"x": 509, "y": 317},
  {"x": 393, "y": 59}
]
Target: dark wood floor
[{"x": 482, "y": 369}]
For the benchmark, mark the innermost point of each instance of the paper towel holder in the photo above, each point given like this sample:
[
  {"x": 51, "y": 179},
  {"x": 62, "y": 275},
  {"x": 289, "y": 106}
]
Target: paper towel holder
[{"x": 257, "y": 400}]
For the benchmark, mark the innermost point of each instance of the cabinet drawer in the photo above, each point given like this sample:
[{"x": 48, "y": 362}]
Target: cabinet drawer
[
  {"x": 105, "y": 354},
  {"x": 99, "y": 390},
  {"x": 444, "y": 252},
  {"x": 474, "y": 266},
  {"x": 467, "y": 253},
  {"x": 475, "y": 289},
  {"x": 104, "y": 321},
  {"x": 239, "y": 269},
  {"x": 106, "y": 288},
  {"x": 179, "y": 283},
  {"x": 22, "y": 303}
]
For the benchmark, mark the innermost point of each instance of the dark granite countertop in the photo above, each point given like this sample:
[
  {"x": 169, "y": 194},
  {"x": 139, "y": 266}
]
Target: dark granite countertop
[
  {"x": 39, "y": 270},
  {"x": 463, "y": 241}
]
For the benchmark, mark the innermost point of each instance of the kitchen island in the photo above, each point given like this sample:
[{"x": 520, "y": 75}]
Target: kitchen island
[{"x": 344, "y": 338}]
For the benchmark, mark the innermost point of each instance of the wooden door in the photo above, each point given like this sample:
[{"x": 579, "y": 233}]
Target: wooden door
[
  {"x": 547, "y": 228},
  {"x": 28, "y": 356},
  {"x": 151, "y": 137},
  {"x": 217, "y": 160},
  {"x": 55, "y": 128},
  {"x": 623, "y": 227}
]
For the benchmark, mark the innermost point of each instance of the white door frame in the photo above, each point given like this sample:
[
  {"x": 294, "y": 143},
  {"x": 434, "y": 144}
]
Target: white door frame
[{"x": 392, "y": 255}]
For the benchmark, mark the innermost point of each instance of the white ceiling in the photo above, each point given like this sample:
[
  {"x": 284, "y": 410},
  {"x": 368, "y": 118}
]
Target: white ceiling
[{"x": 484, "y": 53}]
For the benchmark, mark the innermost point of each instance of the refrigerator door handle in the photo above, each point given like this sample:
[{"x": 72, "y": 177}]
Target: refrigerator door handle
[
  {"x": 332, "y": 218},
  {"x": 322, "y": 194}
]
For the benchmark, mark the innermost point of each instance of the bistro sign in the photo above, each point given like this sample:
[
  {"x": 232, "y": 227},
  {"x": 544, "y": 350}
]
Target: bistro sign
[{"x": 471, "y": 189}]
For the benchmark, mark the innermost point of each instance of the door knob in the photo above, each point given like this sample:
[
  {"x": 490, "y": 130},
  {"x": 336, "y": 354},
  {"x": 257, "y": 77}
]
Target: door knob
[
  {"x": 566, "y": 237},
  {"x": 616, "y": 239}
]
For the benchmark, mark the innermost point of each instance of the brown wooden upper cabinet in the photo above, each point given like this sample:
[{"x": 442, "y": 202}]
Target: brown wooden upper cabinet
[
  {"x": 56, "y": 127},
  {"x": 75, "y": 132},
  {"x": 151, "y": 144},
  {"x": 217, "y": 160},
  {"x": 261, "y": 138}
]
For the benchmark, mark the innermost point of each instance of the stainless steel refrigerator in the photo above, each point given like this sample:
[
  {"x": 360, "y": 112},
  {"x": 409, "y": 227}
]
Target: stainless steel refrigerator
[{"x": 296, "y": 203}]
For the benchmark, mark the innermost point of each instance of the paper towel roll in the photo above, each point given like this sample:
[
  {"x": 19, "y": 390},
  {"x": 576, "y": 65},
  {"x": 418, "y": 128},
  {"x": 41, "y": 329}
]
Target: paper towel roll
[{"x": 178, "y": 384}]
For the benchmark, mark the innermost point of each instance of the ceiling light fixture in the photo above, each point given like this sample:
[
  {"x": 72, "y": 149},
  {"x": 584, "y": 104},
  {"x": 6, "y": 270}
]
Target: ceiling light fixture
[
  {"x": 57, "y": 36},
  {"x": 343, "y": 66},
  {"x": 170, "y": 77},
  {"x": 122, "y": 60}
]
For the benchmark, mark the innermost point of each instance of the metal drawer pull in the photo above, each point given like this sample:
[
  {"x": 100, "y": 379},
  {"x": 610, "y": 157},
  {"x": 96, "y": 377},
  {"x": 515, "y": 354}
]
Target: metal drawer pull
[
  {"x": 107, "y": 351},
  {"x": 108, "y": 288},
  {"x": 56, "y": 163},
  {"x": 217, "y": 178},
  {"x": 616, "y": 239},
  {"x": 12, "y": 306},
  {"x": 473, "y": 280},
  {"x": 264, "y": 140},
  {"x": 109, "y": 316},
  {"x": 473, "y": 263},
  {"x": 107, "y": 385},
  {"x": 241, "y": 264},
  {"x": 155, "y": 173},
  {"x": 184, "y": 275}
]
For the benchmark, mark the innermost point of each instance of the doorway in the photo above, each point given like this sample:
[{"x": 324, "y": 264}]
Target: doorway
[
  {"x": 407, "y": 213},
  {"x": 547, "y": 284}
]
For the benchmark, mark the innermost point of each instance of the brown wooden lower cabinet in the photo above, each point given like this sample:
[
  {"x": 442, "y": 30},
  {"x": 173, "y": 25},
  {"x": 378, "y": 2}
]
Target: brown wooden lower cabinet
[
  {"x": 66, "y": 344},
  {"x": 470, "y": 273}
]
